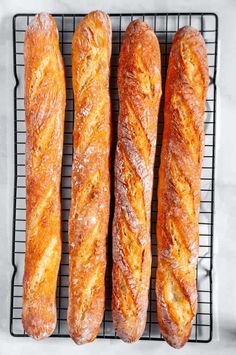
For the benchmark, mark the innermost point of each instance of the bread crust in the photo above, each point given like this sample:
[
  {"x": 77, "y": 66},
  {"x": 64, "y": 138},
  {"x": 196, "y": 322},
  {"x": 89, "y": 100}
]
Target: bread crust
[
  {"x": 90, "y": 199},
  {"x": 45, "y": 106},
  {"x": 139, "y": 87},
  {"x": 179, "y": 186}
]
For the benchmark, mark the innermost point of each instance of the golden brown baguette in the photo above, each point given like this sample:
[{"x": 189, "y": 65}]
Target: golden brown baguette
[
  {"x": 45, "y": 107},
  {"x": 179, "y": 186},
  {"x": 139, "y": 86},
  {"x": 90, "y": 200}
]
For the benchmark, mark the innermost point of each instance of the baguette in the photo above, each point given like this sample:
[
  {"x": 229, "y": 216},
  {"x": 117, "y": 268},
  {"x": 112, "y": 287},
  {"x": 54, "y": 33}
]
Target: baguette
[
  {"x": 45, "y": 107},
  {"x": 179, "y": 186},
  {"x": 90, "y": 198},
  {"x": 139, "y": 87}
]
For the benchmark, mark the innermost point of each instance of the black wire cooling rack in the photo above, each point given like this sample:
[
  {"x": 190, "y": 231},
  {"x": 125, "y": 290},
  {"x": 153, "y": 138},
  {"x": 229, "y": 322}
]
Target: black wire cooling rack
[{"x": 165, "y": 25}]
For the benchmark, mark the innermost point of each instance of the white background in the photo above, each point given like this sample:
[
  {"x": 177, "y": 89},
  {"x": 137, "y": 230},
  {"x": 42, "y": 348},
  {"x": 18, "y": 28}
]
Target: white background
[{"x": 225, "y": 208}]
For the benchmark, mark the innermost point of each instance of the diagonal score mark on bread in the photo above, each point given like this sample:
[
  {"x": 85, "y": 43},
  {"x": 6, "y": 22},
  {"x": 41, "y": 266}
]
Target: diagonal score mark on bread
[
  {"x": 127, "y": 297},
  {"x": 83, "y": 196},
  {"x": 38, "y": 77},
  {"x": 181, "y": 246},
  {"x": 43, "y": 140},
  {"x": 193, "y": 69},
  {"x": 39, "y": 271},
  {"x": 174, "y": 297},
  {"x": 148, "y": 82},
  {"x": 90, "y": 125},
  {"x": 34, "y": 219},
  {"x": 88, "y": 294},
  {"x": 183, "y": 188},
  {"x": 138, "y": 135},
  {"x": 130, "y": 248},
  {"x": 134, "y": 188},
  {"x": 86, "y": 249},
  {"x": 185, "y": 127},
  {"x": 89, "y": 70},
  {"x": 85, "y": 255}
]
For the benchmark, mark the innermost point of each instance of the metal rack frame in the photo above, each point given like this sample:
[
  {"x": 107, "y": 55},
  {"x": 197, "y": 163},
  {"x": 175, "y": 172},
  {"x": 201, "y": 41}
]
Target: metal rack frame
[{"x": 165, "y": 25}]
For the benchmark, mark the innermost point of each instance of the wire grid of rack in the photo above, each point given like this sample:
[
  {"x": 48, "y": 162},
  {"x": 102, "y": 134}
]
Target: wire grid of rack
[{"x": 165, "y": 25}]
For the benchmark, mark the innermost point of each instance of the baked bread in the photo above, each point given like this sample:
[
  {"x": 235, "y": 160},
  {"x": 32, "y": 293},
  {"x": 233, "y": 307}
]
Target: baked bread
[
  {"x": 139, "y": 87},
  {"x": 90, "y": 196},
  {"x": 45, "y": 97},
  {"x": 179, "y": 186}
]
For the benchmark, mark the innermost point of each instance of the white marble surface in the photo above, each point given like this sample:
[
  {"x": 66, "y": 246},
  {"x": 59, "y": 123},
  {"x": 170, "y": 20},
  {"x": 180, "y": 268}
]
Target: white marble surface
[{"x": 224, "y": 341}]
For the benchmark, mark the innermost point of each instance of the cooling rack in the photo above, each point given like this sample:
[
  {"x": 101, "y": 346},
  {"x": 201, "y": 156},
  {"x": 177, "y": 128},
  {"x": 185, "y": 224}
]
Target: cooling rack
[{"x": 165, "y": 25}]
